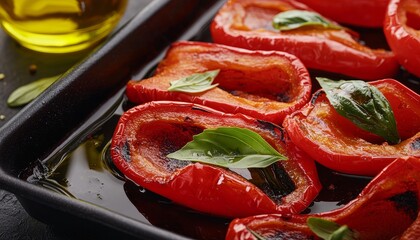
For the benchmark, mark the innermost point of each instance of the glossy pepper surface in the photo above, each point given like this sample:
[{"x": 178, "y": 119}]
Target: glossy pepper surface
[
  {"x": 387, "y": 208},
  {"x": 147, "y": 133},
  {"x": 363, "y": 13},
  {"x": 265, "y": 85},
  {"x": 248, "y": 24},
  {"x": 335, "y": 142},
  {"x": 402, "y": 31}
]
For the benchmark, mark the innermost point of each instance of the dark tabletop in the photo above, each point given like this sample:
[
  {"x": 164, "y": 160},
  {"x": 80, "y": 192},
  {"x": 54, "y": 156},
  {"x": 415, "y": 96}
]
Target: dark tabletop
[{"x": 17, "y": 64}]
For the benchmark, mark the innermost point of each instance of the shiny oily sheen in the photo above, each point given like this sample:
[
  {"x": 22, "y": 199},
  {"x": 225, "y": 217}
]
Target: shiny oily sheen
[{"x": 60, "y": 26}]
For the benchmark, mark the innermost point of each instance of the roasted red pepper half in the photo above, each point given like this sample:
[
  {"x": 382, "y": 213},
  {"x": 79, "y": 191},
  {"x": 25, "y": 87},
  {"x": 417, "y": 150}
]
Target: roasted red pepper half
[
  {"x": 361, "y": 13},
  {"x": 146, "y": 133},
  {"x": 248, "y": 24},
  {"x": 264, "y": 85},
  {"x": 387, "y": 208},
  {"x": 402, "y": 31},
  {"x": 338, "y": 144}
]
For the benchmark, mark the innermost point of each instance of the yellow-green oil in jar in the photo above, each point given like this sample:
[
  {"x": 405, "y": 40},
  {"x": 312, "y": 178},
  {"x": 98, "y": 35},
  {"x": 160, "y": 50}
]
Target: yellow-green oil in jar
[{"x": 59, "y": 26}]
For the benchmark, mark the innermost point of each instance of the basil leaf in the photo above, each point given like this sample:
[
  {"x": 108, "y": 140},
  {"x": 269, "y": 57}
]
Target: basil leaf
[
  {"x": 229, "y": 147},
  {"x": 195, "y": 83},
  {"x": 329, "y": 230},
  {"x": 293, "y": 19},
  {"x": 29, "y": 92},
  {"x": 364, "y": 105}
]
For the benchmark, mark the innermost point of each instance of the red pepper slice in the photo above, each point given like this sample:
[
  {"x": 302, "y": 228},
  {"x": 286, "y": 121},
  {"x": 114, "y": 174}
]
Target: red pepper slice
[
  {"x": 247, "y": 24},
  {"x": 335, "y": 142},
  {"x": 264, "y": 85},
  {"x": 402, "y": 31},
  {"x": 387, "y": 208},
  {"x": 362, "y": 13},
  {"x": 147, "y": 133}
]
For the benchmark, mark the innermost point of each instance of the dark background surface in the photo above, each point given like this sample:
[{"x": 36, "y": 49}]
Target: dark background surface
[{"x": 15, "y": 63}]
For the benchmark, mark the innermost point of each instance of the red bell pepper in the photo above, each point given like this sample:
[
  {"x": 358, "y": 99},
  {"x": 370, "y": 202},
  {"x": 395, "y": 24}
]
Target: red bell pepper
[
  {"x": 402, "y": 31},
  {"x": 147, "y": 133},
  {"x": 338, "y": 144},
  {"x": 370, "y": 13},
  {"x": 247, "y": 24},
  {"x": 387, "y": 208},
  {"x": 176, "y": 218},
  {"x": 264, "y": 85}
]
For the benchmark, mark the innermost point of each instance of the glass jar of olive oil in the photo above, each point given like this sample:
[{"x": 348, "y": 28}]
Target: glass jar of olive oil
[{"x": 60, "y": 26}]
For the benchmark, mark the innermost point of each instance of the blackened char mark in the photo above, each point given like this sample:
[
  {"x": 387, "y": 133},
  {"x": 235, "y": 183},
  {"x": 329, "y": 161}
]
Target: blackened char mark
[
  {"x": 407, "y": 202},
  {"x": 315, "y": 96},
  {"x": 125, "y": 151},
  {"x": 199, "y": 109},
  {"x": 415, "y": 145},
  {"x": 275, "y": 130},
  {"x": 288, "y": 235},
  {"x": 274, "y": 181}
]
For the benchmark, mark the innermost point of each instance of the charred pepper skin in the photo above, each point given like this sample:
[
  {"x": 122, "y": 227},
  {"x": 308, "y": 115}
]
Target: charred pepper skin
[
  {"x": 387, "y": 208},
  {"x": 247, "y": 24},
  {"x": 146, "y": 133},
  {"x": 338, "y": 144},
  {"x": 266, "y": 85},
  {"x": 402, "y": 31}
]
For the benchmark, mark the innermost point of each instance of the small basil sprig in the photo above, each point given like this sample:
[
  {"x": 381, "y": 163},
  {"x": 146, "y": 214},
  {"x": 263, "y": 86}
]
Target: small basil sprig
[
  {"x": 229, "y": 147},
  {"x": 364, "y": 105},
  {"x": 195, "y": 83},
  {"x": 294, "y": 19},
  {"x": 329, "y": 230},
  {"x": 29, "y": 92}
]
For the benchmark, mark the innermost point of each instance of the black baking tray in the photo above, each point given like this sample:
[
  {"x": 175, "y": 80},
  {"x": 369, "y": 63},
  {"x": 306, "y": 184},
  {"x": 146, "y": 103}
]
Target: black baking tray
[{"x": 84, "y": 98}]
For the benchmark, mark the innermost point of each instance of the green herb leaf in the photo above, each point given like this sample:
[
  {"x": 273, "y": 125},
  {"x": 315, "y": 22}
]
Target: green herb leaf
[
  {"x": 329, "y": 230},
  {"x": 294, "y": 19},
  {"x": 229, "y": 147},
  {"x": 195, "y": 83},
  {"x": 364, "y": 105},
  {"x": 29, "y": 92}
]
